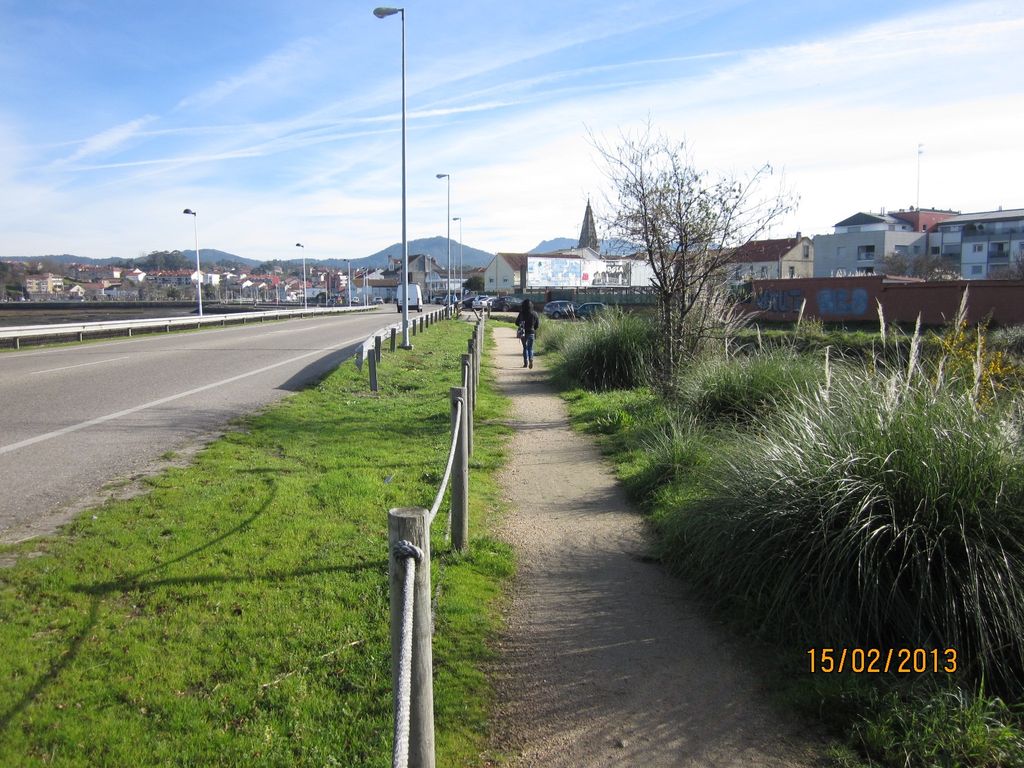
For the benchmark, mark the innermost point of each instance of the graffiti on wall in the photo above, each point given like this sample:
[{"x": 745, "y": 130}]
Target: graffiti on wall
[
  {"x": 843, "y": 301},
  {"x": 777, "y": 300}
]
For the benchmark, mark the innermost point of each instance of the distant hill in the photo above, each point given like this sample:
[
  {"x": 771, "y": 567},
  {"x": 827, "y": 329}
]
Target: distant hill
[
  {"x": 610, "y": 247},
  {"x": 431, "y": 246},
  {"x": 213, "y": 256},
  {"x": 558, "y": 244}
]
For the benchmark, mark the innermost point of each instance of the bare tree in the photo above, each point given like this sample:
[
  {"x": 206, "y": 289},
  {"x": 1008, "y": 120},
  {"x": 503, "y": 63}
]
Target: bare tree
[
  {"x": 688, "y": 223},
  {"x": 924, "y": 265}
]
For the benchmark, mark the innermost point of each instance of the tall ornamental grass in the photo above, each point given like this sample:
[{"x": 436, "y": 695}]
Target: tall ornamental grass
[
  {"x": 879, "y": 512},
  {"x": 744, "y": 389},
  {"x": 612, "y": 351}
]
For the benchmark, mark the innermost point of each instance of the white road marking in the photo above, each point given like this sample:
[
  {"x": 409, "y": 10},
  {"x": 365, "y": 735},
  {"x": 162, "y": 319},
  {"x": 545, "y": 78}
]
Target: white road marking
[
  {"x": 152, "y": 404},
  {"x": 80, "y": 365}
]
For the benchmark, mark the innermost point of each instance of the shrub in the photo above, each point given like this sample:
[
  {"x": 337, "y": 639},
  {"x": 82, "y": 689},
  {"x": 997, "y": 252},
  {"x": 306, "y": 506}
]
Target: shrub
[
  {"x": 877, "y": 513},
  {"x": 612, "y": 351},
  {"x": 745, "y": 389}
]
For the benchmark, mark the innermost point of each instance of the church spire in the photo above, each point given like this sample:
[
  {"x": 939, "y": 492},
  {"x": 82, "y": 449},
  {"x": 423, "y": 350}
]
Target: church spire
[{"x": 588, "y": 235}]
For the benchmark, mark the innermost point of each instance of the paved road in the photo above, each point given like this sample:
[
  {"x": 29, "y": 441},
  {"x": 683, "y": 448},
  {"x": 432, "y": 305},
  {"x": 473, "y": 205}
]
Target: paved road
[{"x": 76, "y": 418}]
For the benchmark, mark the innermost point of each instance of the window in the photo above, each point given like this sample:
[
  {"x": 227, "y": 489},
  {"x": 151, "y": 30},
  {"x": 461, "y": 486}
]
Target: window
[
  {"x": 977, "y": 269},
  {"x": 807, "y": 251},
  {"x": 935, "y": 250},
  {"x": 792, "y": 271},
  {"x": 977, "y": 248}
]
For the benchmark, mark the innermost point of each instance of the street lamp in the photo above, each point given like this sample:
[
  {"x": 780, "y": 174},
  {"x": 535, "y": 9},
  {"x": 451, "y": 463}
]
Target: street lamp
[
  {"x": 348, "y": 283},
  {"x": 199, "y": 273},
  {"x": 462, "y": 279},
  {"x": 381, "y": 13},
  {"x": 448, "y": 221},
  {"x": 300, "y": 245}
]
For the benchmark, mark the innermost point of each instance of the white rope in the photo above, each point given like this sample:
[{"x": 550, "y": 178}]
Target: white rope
[
  {"x": 451, "y": 462},
  {"x": 400, "y": 754}
]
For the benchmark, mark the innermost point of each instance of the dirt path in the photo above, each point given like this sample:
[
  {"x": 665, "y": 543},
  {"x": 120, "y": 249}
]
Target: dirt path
[{"x": 606, "y": 661}]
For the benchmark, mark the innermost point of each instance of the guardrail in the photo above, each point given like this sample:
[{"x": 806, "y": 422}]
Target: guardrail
[
  {"x": 15, "y": 334},
  {"x": 409, "y": 576}
]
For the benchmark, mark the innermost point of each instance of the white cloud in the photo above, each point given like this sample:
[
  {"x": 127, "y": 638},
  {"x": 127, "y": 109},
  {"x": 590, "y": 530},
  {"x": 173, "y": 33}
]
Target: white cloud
[
  {"x": 108, "y": 140},
  {"x": 276, "y": 68}
]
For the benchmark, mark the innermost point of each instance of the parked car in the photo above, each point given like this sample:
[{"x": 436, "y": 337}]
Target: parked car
[
  {"x": 507, "y": 304},
  {"x": 590, "y": 309},
  {"x": 378, "y": 299},
  {"x": 467, "y": 303},
  {"x": 559, "y": 309},
  {"x": 481, "y": 301}
]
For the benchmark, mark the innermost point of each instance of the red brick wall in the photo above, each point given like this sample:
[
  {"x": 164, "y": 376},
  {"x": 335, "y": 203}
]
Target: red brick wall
[{"x": 848, "y": 299}]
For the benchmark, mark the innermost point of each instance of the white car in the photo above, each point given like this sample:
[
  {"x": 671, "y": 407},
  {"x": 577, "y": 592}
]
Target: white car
[{"x": 481, "y": 302}]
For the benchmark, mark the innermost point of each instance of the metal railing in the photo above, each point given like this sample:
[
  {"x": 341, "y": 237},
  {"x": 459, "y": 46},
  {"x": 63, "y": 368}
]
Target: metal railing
[
  {"x": 15, "y": 334},
  {"x": 409, "y": 576}
]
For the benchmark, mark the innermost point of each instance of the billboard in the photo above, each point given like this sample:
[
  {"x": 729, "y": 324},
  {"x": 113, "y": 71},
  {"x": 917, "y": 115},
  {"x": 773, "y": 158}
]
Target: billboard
[{"x": 557, "y": 272}]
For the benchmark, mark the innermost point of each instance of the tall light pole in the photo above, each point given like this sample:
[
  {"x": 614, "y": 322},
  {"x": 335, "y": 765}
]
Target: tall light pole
[
  {"x": 462, "y": 278},
  {"x": 300, "y": 245},
  {"x": 448, "y": 221},
  {"x": 199, "y": 273},
  {"x": 381, "y": 13}
]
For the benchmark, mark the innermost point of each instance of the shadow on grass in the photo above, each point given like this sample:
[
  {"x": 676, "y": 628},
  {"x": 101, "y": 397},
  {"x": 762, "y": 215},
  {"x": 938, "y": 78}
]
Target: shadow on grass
[
  {"x": 135, "y": 582},
  {"x": 58, "y": 666}
]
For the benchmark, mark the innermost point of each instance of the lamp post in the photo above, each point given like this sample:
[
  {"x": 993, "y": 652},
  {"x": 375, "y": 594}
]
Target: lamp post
[
  {"x": 462, "y": 278},
  {"x": 448, "y": 221},
  {"x": 199, "y": 273},
  {"x": 300, "y": 245},
  {"x": 381, "y": 13}
]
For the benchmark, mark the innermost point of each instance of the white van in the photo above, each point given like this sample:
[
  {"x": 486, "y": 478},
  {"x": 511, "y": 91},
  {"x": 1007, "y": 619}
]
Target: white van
[{"x": 415, "y": 297}]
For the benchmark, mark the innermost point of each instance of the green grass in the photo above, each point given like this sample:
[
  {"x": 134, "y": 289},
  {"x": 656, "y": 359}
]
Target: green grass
[
  {"x": 880, "y": 514},
  {"x": 237, "y": 614}
]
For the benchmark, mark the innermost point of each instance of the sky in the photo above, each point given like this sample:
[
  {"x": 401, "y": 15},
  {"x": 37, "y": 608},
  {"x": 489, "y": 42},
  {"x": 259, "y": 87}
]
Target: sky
[{"x": 280, "y": 122}]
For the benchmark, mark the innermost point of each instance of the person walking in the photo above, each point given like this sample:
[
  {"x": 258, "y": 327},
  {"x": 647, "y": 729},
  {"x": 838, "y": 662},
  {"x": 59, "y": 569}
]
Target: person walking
[{"x": 527, "y": 323}]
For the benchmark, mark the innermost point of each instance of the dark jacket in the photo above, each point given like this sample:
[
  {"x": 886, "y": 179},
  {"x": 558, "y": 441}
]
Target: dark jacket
[{"x": 529, "y": 321}]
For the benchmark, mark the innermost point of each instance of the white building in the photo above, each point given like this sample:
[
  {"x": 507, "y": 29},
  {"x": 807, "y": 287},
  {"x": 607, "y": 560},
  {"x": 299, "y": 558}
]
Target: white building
[{"x": 985, "y": 244}]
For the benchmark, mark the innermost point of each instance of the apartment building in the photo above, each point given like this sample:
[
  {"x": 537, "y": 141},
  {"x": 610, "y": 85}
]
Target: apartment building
[
  {"x": 987, "y": 244},
  {"x": 861, "y": 242}
]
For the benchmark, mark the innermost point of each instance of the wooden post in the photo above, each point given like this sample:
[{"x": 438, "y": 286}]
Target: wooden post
[
  {"x": 412, "y": 327},
  {"x": 377, "y": 348},
  {"x": 410, "y": 524},
  {"x": 372, "y": 360},
  {"x": 394, "y": 335},
  {"x": 460, "y": 471},
  {"x": 467, "y": 366}
]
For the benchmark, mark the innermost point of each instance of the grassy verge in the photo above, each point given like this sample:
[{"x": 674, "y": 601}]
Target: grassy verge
[
  {"x": 238, "y": 612},
  {"x": 880, "y": 510}
]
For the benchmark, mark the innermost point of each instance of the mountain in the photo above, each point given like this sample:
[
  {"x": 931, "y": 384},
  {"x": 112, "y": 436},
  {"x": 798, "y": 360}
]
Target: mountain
[
  {"x": 432, "y": 246},
  {"x": 610, "y": 247},
  {"x": 213, "y": 256},
  {"x": 558, "y": 244},
  {"x": 437, "y": 247}
]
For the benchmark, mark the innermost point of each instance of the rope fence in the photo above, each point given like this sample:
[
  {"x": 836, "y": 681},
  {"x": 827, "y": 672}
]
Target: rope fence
[{"x": 409, "y": 576}]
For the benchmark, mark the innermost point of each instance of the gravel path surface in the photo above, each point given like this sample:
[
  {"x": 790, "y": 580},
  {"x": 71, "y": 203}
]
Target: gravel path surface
[{"x": 606, "y": 660}]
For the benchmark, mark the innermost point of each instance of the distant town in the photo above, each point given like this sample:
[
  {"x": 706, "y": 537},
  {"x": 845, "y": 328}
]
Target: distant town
[{"x": 915, "y": 244}]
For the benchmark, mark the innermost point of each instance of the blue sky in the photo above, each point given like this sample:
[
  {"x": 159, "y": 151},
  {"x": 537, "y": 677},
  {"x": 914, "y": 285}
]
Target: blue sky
[{"x": 280, "y": 122}]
